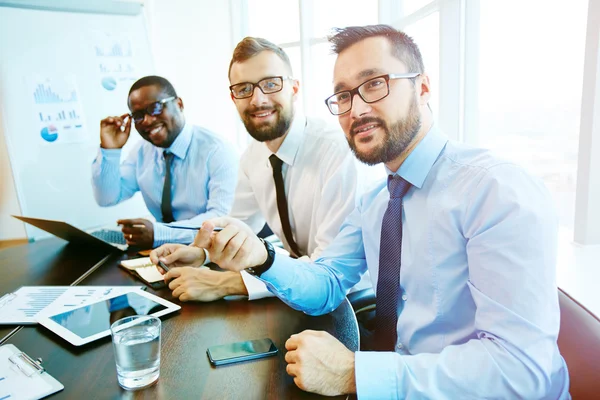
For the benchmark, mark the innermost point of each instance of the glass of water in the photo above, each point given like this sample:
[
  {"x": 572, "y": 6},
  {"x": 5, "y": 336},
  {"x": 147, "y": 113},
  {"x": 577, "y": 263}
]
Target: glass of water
[{"x": 136, "y": 342}]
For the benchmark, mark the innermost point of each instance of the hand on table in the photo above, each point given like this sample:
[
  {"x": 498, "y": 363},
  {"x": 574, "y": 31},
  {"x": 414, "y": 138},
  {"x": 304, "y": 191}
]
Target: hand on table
[
  {"x": 138, "y": 232},
  {"x": 320, "y": 363},
  {"x": 203, "y": 284}
]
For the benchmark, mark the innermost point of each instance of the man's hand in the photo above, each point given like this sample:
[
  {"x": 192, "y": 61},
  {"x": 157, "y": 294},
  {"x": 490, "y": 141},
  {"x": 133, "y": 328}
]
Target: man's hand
[
  {"x": 177, "y": 255},
  {"x": 320, "y": 364},
  {"x": 235, "y": 248},
  {"x": 204, "y": 284},
  {"x": 138, "y": 232},
  {"x": 114, "y": 131}
]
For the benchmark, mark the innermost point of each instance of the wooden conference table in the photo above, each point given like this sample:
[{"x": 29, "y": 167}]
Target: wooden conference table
[{"x": 89, "y": 371}]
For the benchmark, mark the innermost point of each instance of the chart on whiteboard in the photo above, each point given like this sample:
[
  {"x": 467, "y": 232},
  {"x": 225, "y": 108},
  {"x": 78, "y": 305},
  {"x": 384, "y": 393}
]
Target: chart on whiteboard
[
  {"x": 57, "y": 109},
  {"x": 114, "y": 55}
]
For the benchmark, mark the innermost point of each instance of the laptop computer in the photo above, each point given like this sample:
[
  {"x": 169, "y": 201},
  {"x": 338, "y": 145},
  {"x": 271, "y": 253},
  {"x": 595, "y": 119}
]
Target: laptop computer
[{"x": 98, "y": 237}]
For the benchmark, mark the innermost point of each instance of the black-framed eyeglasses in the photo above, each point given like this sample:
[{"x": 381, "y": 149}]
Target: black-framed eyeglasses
[
  {"x": 153, "y": 109},
  {"x": 370, "y": 91},
  {"x": 271, "y": 84}
]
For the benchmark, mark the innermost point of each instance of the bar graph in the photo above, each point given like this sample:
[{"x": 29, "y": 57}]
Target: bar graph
[
  {"x": 44, "y": 94},
  {"x": 57, "y": 109}
]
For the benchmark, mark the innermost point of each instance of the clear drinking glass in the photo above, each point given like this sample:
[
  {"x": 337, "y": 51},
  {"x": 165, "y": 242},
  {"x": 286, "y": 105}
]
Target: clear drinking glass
[{"x": 136, "y": 343}]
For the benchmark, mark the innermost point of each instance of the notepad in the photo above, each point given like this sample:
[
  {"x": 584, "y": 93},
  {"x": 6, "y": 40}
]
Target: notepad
[
  {"x": 23, "y": 306},
  {"x": 145, "y": 271},
  {"x": 23, "y": 378}
]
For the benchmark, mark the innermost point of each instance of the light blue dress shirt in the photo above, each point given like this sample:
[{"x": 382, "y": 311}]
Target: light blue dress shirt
[
  {"x": 204, "y": 175},
  {"x": 478, "y": 316}
]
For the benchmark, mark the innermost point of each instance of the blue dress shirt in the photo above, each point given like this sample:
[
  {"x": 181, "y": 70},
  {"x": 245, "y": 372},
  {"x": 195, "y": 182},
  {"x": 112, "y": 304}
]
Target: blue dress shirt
[
  {"x": 478, "y": 315},
  {"x": 204, "y": 175}
]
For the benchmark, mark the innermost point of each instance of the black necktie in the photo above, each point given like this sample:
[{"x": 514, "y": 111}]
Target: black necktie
[
  {"x": 390, "y": 254},
  {"x": 165, "y": 206},
  {"x": 282, "y": 205}
]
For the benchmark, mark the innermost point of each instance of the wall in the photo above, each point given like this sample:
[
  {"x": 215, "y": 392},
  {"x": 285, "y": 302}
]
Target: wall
[{"x": 192, "y": 46}]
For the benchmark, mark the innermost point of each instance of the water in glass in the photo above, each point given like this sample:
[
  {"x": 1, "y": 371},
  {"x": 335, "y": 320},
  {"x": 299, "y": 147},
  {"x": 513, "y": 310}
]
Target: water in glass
[{"x": 137, "y": 353}]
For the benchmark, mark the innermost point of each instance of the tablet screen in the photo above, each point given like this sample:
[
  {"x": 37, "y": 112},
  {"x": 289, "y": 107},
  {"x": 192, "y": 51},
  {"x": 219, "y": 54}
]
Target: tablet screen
[{"x": 97, "y": 317}]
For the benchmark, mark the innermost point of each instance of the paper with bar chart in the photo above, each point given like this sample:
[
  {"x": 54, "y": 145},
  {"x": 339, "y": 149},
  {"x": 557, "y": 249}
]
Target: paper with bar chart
[
  {"x": 115, "y": 59},
  {"x": 57, "y": 109},
  {"x": 22, "y": 306}
]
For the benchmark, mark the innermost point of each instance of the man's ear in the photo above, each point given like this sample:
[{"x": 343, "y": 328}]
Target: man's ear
[
  {"x": 423, "y": 89},
  {"x": 180, "y": 103},
  {"x": 295, "y": 87}
]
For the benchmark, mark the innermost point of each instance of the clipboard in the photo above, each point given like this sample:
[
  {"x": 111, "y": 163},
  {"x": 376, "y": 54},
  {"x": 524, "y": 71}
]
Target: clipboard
[{"x": 22, "y": 377}]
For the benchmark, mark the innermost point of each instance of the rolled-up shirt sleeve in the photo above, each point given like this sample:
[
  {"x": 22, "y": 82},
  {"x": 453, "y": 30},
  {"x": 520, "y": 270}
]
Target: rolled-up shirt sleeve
[{"x": 112, "y": 181}]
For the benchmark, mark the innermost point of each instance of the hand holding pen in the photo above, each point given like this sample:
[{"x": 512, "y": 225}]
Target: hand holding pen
[
  {"x": 171, "y": 255},
  {"x": 138, "y": 232}
]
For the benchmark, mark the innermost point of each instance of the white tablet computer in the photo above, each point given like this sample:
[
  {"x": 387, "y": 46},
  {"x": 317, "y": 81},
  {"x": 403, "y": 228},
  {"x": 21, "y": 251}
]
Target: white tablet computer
[{"x": 92, "y": 321}]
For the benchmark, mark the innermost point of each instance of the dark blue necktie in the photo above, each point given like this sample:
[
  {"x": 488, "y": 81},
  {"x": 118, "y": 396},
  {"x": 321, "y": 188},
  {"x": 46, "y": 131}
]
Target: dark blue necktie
[
  {"x": 165, "y": 206},
  {"x": 390, "y": 251}
]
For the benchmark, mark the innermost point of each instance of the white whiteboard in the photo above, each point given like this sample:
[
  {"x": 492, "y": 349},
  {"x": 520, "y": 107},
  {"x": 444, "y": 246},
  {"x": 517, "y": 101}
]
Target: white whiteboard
[{"x": 60, "y": 74}]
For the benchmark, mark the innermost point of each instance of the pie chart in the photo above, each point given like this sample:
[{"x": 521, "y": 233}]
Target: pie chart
[
  {"x": 49, "y": 133},
  {"x": 109, "y": 83}
]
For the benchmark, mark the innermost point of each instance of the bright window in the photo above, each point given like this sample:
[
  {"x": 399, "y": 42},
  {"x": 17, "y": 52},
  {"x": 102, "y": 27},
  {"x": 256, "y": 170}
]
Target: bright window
[
  {"x": 410, "y": 6},
  {"x": 426, "y": 34},
  {"x": 274, "y": 20},
  {"x": 342, "y": 13},
  {"x": 531, "y": 76}
]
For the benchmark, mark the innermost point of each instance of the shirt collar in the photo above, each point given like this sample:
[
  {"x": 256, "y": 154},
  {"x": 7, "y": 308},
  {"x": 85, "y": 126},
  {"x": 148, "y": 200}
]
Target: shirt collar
[
  {"x": 419, "y": 162},
  {"x": 181, "y": 144},
  {"x": 289, "y": 148}
]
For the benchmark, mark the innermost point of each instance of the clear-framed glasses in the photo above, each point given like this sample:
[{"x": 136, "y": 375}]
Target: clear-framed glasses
[
  {"x": 370, "y": 91},
  {"x": 153, "y": 109},
  {"x": 271, "y": 84}
]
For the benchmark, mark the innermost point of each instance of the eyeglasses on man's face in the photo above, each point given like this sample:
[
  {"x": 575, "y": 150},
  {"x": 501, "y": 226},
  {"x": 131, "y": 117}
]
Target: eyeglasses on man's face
[
  {"x": 153, "y": 109},
  {"x": 271, "y": 84},
  {"x": 370, "y": 91}
]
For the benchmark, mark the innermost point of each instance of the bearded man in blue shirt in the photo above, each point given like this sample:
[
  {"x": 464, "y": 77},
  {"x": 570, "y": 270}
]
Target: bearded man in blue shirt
[{"x": 460, "y": 245}]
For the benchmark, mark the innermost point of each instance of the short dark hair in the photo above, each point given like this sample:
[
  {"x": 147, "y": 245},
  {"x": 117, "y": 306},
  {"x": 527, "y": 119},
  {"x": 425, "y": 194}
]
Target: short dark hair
[
  {"x": 403, "y": 46},
  {"x": 151, "y": 80},
  {"x": 251, "y": 46}
]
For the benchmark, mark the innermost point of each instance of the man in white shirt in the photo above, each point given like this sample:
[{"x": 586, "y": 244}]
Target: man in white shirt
[{"x": 317, "y": 171}]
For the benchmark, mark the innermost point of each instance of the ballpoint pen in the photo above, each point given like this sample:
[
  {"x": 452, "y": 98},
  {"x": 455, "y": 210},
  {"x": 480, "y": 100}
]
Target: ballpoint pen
[{"x": 194, "y": 228}]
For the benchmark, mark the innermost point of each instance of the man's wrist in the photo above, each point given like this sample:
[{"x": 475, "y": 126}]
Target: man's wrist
[
  {"x": 233, "y": 284},
  {"x": 262, "y": 268}
]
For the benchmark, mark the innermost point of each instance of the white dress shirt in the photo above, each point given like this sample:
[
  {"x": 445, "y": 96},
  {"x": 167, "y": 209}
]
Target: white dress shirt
[{"x": 320, "y": 180}]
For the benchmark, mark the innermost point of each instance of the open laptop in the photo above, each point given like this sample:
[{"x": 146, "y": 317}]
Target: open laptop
[{"x": 98, "y": 237}]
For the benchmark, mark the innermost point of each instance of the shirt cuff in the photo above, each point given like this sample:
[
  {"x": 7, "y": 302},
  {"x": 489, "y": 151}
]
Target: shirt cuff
[
  {"x": 256, "y": 288},
  {"x": 376, "y": 375},
  {"x": 112, "y": 155},
  {"x": 163, "y": 234}
]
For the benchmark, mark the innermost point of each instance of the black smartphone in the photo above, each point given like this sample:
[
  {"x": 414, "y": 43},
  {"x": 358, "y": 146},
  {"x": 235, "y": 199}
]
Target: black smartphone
[{"x": 241, "y": 351}]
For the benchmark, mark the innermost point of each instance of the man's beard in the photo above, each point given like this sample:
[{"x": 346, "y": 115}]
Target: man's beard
[
  {"x": 395, "y": 140},
  {"x": 268, "y": 131}
]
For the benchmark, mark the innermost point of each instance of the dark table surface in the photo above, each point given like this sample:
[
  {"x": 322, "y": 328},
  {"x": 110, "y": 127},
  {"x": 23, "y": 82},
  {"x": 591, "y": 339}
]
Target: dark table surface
[
  {"x": 89, "y": 371},
  {"x": 46, "y": 262}
]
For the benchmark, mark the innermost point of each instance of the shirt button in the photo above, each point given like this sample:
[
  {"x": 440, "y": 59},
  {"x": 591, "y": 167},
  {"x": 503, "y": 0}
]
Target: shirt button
[
  {"x": 404, "y": 297},
  {"x": 400, "y": 346}
]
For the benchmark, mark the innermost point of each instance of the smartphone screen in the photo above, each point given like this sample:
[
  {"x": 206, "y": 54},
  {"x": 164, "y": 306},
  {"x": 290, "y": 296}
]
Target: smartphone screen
[{"x": 241, "y": 351}]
